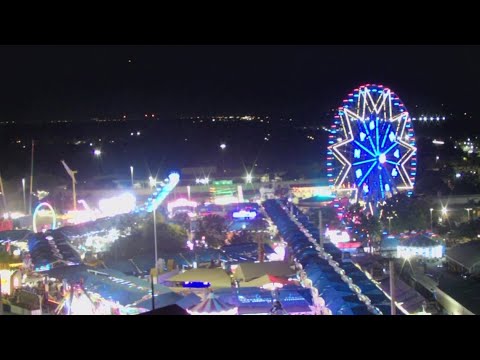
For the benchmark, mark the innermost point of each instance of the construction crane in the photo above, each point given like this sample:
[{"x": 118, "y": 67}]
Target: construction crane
[{"x": 72, "y": 173}]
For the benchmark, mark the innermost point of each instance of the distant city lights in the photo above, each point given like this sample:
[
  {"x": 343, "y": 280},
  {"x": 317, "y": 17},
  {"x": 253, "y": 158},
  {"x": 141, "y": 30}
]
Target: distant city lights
[{"x": 97, "y": 152}]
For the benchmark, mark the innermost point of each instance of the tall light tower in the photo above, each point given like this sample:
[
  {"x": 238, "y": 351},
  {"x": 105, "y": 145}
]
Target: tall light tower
[{"x": 72, "y": 173}]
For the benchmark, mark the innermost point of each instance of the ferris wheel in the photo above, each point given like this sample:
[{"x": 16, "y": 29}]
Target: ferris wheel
[{"x": 371, "y": 153}]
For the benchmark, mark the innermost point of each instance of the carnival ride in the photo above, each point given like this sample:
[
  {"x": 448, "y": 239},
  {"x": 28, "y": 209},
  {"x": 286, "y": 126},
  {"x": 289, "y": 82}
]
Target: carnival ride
[
  {"x": 160, "y": 194},
  {"x": 36, "y": 212},
  {"x": 371, "y": 154}
]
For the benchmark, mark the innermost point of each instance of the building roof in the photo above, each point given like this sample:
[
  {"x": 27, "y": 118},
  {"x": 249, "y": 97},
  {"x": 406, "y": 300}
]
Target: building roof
[
  {"x": 419, "y": 241},
  {"x": 250, "y": 271},
  {"x": 465, "y": 291},
  {"x": 467, "y": 255},
  {"x": 216, "y": 277}
]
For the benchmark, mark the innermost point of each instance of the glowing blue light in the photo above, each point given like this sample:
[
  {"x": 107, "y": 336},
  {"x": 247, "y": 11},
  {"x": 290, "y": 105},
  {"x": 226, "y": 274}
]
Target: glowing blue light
[
  {"x": 356, "y": 153},
  {"x": 382, "y": 158},
  {"x": 365, "y": 188},
  {"x": 394, "y": 172},
  {"x": 396, "y": 153},
  {"x": 392, "y": 137},
  {"x": 358, "y": 173},
  {"x": 362, "y": 136},
  {"x": 387, "y": 187},
  {"x": 329, "y": 164},
  {"x": 243, "y": 214},
  {"x": 372, "y": 125}
]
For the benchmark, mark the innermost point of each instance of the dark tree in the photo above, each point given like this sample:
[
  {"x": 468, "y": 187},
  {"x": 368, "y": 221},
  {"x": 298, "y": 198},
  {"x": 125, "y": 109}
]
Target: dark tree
[
  {"x": 213, "y": 228},
  {"x": 407, "y": 213}
]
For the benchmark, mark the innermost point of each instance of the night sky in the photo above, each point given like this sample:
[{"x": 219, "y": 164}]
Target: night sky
[{"x": 42, "y": 83}]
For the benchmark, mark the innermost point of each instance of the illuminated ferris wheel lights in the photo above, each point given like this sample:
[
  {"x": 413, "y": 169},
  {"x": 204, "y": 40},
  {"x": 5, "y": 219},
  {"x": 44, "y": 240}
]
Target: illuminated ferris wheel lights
[{"x": 380, "y": 140}]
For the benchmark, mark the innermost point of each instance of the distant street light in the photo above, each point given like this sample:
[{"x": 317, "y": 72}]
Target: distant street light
[
  {"x": 444, "y": 211},
  {"x": 152, "y": 181},
  {"x": 249, "y": 178},
  {"x": 223, "y": 146},
  {"x": 97, "y": 152},
  {"x": 131, "y": 174},
  {"x": 468, "y": 211},
  {"x": 389, "y": 223}
]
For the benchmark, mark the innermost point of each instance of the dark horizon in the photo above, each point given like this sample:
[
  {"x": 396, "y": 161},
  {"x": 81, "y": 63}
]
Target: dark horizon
[{"x": 48, "y": 83}]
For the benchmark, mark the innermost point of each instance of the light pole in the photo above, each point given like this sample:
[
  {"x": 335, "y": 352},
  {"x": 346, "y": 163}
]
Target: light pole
[
  {"x": 155, "y": 234},
  {"x": 24, "y": 199},
  {"x": 131, "y": 174},
  {"x": 444, "y": 211},
  {"x": 392, "y": 286},
  {"x": 468, "y": 211},
  {"x": 389, "y": 223},
  {"x": 431, "y": 219}
]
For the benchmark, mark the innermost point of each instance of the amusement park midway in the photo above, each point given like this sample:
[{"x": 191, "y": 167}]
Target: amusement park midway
[
  {"x": 254, "y": 245},
  {"x": 370, "y": 208}
]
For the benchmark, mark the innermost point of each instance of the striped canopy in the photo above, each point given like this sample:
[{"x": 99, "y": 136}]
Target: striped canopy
[{"x": 212, "y": 306}]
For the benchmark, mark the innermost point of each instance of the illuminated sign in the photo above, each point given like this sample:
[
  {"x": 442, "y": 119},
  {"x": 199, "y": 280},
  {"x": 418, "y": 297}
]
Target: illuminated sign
[
  {"x": 349, "y": 245},
  {"x": 430, "y": 252},
  {"x": 337, "y": 236},
  {"x": 196, "y": 284},
  {"x": 243, "y": 214},
  {"x": 310, "y": 191},
  {"x": 181, "y": 203}
]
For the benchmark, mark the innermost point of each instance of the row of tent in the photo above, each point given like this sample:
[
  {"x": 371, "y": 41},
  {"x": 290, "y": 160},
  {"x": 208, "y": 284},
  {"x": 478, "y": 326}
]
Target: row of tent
[
  {"x": 126, "y": 290},
  {"x": 50, "y": 249},
  {"x": 118, "y": 222},
  {"x": 345, "y": 289},
  {"x": 229, "y": 254}
]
